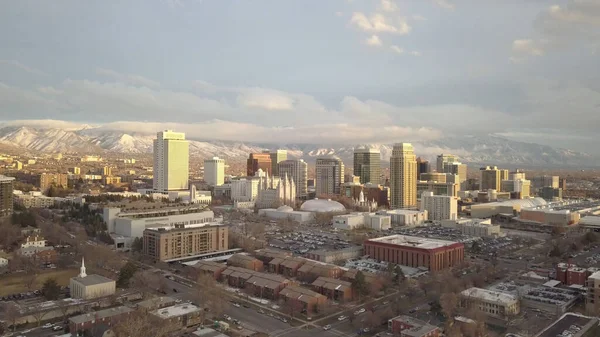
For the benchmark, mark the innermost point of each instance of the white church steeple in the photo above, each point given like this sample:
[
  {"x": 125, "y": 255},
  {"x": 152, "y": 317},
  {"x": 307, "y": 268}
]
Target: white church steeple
[{"x": 82, "y": 273}]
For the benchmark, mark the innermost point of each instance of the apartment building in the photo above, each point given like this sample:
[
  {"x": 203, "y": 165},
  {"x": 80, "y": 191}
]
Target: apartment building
[
  {"x": 50, "y": 179},
  {"x": 6, "y": 195},
  {"x": 439, "y": 207}
]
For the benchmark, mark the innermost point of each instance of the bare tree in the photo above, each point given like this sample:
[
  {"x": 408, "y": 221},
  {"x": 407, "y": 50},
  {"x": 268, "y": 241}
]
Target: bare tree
[
  {"x": 142, "y": 324},
  {"x": 39, "y": 316},
  {"x": 11, "y": 314},
  {"x": 208, "y": 294},
  {"x": 31, "y": 273},
  {"x": 449, "y": 304}
]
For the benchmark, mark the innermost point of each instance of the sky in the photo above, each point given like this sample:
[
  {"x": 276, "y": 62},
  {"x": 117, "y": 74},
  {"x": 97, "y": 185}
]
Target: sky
[{"x": 307, "y": 71}]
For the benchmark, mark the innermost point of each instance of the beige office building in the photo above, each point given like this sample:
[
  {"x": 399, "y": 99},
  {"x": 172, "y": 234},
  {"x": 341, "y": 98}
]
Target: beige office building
[
  {"x": 491, "y": 303},
  {"x": 171, "y": 161},
  {"x": 179, "y": 241},
  {"x": 403, "y": 176},
  {"x": 592, "y": 299},
  {"x": 297, "y": 170},
  {"x": 277, "y": 157},
  {"x": 490, "y": 178},
  {"x": 433, "y": 176},
  {"x": 329, "y": 176}
]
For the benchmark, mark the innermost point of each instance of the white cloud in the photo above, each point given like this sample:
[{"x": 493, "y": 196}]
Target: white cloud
[
  {"x": 444, "y": 4},
  {"x": 388, "y": 6},
  {"x": 527, "y": 47},
  {"x": 418, "y": 17},
  {"x": 265, "y": 99},
  {"x": 377, "y": 23},
  {"x": 23, "y": 67},
  {"x": 136, "y": 80},
  {"x": 374, "y": 41},
  {"x": 415, "y": 53},
  {"x": 397, "y": 49}
]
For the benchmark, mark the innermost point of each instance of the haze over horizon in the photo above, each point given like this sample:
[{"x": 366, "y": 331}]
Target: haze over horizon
[{"x": 328, "y": 71}]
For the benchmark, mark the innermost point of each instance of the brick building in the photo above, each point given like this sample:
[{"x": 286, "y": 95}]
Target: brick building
[
  {"x": 406, "y": 326},
  {"x": 307, "y": 299},
  {"x": 245, "y": 261},
  {"x": 336, "y": 290},
  {"x": 570, "y": 274},
  {"x": 416, "y": 251},
  {"x": 211, "y": 268},
  {"x": 259, "y": 284},
  {"x": 88, "y": 322}
]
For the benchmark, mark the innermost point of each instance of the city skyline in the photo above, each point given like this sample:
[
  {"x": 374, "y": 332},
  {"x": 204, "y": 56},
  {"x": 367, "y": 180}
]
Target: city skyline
[{"x": 523, "y": 76}]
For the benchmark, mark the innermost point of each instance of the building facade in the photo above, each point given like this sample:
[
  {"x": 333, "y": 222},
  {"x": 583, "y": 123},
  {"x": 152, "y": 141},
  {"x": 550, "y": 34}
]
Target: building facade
[
  {"x": 367, "y": 165},
  {"x": 491, "y": 303},
  {"x": 173, "y": 242},
  {"x": 403, "y": 176},
  {"x": 329, "y": 174},
  {"x": 439, "y": 207},
  {"x": 88, "y": 287},
  {"x": 437, "y": 188},
  {"x": 490, "y": 179},
  {"x": 6, "y": 195},
  {"x": 214, "y": 171},
  {"x": 297, "y": 170},
  {"x": 592, "y": 299},
  {"x": 171, "y": 162},
  {"x": 53, "y": 179},
  {"x": 423, "y": 166},
  {"x": 416, "y": 252},
  {"x": 277, "y": 157},
  {"x": 259, "y": 161}
]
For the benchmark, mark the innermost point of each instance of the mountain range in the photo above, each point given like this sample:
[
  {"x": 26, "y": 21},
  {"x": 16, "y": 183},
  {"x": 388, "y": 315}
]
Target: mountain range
[{"x": 475, "y": 150}]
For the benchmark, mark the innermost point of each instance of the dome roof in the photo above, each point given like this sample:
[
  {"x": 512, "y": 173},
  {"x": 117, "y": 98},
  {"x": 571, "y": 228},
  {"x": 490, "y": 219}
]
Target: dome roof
[
  {"x": 322, "y": 205},
  {"x": 284, "y": 208}
]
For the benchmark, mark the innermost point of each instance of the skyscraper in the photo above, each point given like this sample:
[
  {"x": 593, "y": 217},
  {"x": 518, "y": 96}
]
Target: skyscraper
[
  {"x": 403, "y": 176},
  {"x": 297, "y": 170},
  {"x": 329, "y": 175},
  {"x": 258, "y": 161},
  {"x": 491, "y": 178},
  {"x": 6, "y": 195},
  {"x": 448, "y": 163},
  {"x": 422, "y": 167},
  {"x": 367, "y": 165},
  {"x": 443, "y": 159},
  {"x": 277, "y": 157},
  {"x": 214, "y": 171},
  {"x": 171, "y": 161}
]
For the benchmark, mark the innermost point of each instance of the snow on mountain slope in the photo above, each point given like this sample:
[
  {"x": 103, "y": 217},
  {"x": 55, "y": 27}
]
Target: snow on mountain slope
[{"x": 488, "y": 149}]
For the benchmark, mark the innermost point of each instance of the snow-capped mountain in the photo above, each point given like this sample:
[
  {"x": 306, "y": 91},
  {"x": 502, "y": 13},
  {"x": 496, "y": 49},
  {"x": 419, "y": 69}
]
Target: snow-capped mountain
[{"x": 488, "y": 149}]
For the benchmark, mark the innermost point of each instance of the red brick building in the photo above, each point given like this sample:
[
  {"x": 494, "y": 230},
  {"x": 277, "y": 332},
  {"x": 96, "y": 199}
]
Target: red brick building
[
  {"x": 87, "y": 322},
  {"x": 415, "y": 251},
  {"x": 245, "y": 261},
  {"x": 406, "y": 326},
  {"x": 570, "y": 274}
]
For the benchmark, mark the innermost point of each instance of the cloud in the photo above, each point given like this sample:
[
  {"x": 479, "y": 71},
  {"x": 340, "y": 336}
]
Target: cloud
[
  {"x": 397, "y": 49},
  {"x": 418, "y": 17},
  {"x": 136, "y": 80},
  {"x": 523, "y": 48},
  {"x": 444, "y": 4},
  {"x": 374, "y": 41},
  {"x": 415, "y": 53},
  {"x": 21, "y": 66},
  {"x": 388, "y": 6},
  {"x": 265, "y": 99},
  {"x": 339, "y": 14},
  {"x": 377, "y": 23}
]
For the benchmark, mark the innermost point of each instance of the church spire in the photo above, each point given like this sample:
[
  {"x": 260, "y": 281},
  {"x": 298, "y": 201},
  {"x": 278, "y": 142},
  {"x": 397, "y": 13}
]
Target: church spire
[{"x": 82, "y": 273}]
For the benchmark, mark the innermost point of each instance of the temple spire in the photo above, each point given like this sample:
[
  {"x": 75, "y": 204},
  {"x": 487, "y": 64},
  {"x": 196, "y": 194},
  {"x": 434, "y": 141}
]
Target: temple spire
[{"x": 82, "y": 273}]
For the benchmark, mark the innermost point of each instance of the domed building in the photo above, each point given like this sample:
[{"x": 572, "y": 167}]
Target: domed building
[
  {"x": 322, "y": 206},
  {"x": 286, "y": 212}
]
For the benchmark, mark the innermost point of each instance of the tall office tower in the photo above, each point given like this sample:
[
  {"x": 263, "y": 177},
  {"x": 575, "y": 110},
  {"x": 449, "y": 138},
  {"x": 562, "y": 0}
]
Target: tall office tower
[
  {"x": 503, "y": 175},
  {"x": 422, "y": 167},
  {"x": 403, "y": 176},
  {"x": 563, "y": 184},
  {"x": 444, "y": 159},
  {"x": 296, "y": 170},
  {"x": 277, "y": 157},
  {"x": 214, "y": 171},
  {"x": 367, "y": 165},
  {"x": 6, "y": 195},
  {"x": 490, "y": 178},
  {"x": 259, "y": 161},
  {"x": 329, "y": 175},
  {"x": 516, "y": 175},
  {"x": 171, "y": 161},
  {"x": 107, "y": 171},
  {"x": 545, "y": 181}
]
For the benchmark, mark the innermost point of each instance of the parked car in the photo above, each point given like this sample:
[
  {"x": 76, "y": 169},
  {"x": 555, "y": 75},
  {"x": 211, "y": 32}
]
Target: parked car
[
  {"x": 359, "y": 311},
  {"x": 327, "y": 327},
  {"x": 57, "y": 328},
  {"x": 341, "y": 318},
  {"x": 47, "y": 325}
]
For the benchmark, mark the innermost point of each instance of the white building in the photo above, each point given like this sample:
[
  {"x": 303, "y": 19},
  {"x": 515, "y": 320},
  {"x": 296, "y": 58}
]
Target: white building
[
  {"x": 297, "y": 170},
  {"x": 264, "y": 190},
  {"x": 87, "y": 287},
  {"x": 214, "y": 171},
  {"x": 244, "y": 189},
  {"x": 32, "y": 200},
  {"x": 475, "y": 227},
  {"x": 3, "y": 262},
  {"x": 192, "y": 196},
  {"x": 129, "y": 224},
  {"x": 491, "y": 303},
  {"x": 286, "y": 212},
  {"x": 171, "y": 161},
  {"x": 34, "y": 241},
  {"x": 439, "y": 207},
  {"x": 405, "y": 217},
  {"x": 362, "y": 220}
]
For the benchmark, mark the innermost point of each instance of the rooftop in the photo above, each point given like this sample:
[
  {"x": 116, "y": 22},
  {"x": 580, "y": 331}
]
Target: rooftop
[
  {"x": 299, "y": 293},
  {"x": 184, "y": 227},
  {"x": 93, "y": 279},
  {"x": 570, "y": 322},
  {"x": 135, "y": 212},
  {"x": 414, "y": 241},
  {"x": 100, "y": 314},
  {"x": 209, "y": 265},
  {"x": 331, "y": 283},
  {"x": 489, "y": 295},
  {"x": 419, "y": 328},
  {"x": 595, "y": 276},
  {"x": 176, "y": 310}
]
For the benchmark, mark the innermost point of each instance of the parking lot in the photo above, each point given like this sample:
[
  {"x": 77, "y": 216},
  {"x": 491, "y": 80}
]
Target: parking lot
[{"x": 303, "y": 242}]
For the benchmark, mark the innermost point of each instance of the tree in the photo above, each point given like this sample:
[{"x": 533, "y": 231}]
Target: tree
[
  {"x": 31, "y": 273},
  {"x": 9, "y": 235},
  {"x": 555, "y": 252},
  {"x": 359, "y": 284},
  {"x": 449, "y": 304},
  {"x": 292, "y": 307},
  {"x": 39, "y": 316},
  {"x": 142, "y": 324},
  {"x": 208, "y": 294},
  {"x": 475, "y": 247},
  {"x": 125, "y": 274},
  {"x": 11, "y": 314},
  {"x": 51, "y": 289},
  {"x": 589, "y": 237},
  {"x": 137, "y": 245}
]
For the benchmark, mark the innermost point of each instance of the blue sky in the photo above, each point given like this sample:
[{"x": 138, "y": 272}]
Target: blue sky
[{"x": 310, "y": 70}]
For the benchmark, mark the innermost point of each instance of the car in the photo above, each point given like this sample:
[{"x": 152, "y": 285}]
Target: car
[
  {"x": 57, "y": 328},
  {"x": 237, "y": 305},
  {"x": 284, "y": 320},
  {"x": 235, "y": 321},
  {"x": 366, "y": 330},
  {"x": 359, "y": 311},
  {"x": 239, "y": 327},
  {"x": 412, "y": 311},
  {"x": 175, "y": 290},
  {"x": 47, "y": 325},
  {"x": 386, "y": 302},
  {"x": 327, "y": 327},
  {"x": 341, "y": 318},
  {"x": 260, "y": 311}
]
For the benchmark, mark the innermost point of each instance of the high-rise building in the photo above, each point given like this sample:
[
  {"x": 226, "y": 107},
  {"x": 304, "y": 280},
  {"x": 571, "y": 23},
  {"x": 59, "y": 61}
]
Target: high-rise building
[
  {"x": 563, "y": 184},
  {"x": 50, "y": 179},
  {"x": 518, "y": 188},
  {"x": 490, "y": 178},
  {"x": 367, "y": 165},
  {"x": 433, "y": 176},
  {"x": 503, "y": 174},
  {"x": 422, "y": 167},
  {"x": 171, "y": 161},
  {"x": 6, "y": 195},
  {"x": 297, "y": 170},
  {"x": 448, "y": 163},
  {"x": 329, "y": 175},
  {"x": 439, "y": 207},
  {"x": 444, "y": 159},
  {"x": 107, "y": 171},
  {"x": 545, "y": 181},
  {"x": 259, "y": 161},
  {"x": 403, "y": 176},
  {"x": 170, "y": 242},
  {"x": 214, "y": 171},
  {"x": 277, "y": 157}
]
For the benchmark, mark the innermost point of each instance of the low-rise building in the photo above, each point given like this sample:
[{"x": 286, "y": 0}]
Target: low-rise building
[
  {"x": 475, "y": 227},
  {"x": 493, "y": 304},
  {"x": 286, "y": 265},
  {"x": 266, "y": 255},
  {"x": 87, "y": 322},
  {"x": 570, "y": 274},
  {"x": 406, "y": 326},
  {"x": 286, "y": 212},
  {"x": 41, "y": 255},
  {"x": 245, "y": 261},
  {"x": 362, "y": 220},
  {"x": 331, "y": 256},
  {"x": 311, "y": 270},
  {"x": 33, "y": 200},
  {"x": 405, "y": 217},
  {"x": 90, "y": 286},
  {"x": 572, "y": 325},
  {"x": 550, "y": 216},
  {"x": 34, "y": 241},
  {"x": 336, "y": 290},
  {"x": 260, "y": 284},
  {"x": 214, "y": 269},
  {"x": 307, "y": 299},
  {"x": 180, "y": 316}
]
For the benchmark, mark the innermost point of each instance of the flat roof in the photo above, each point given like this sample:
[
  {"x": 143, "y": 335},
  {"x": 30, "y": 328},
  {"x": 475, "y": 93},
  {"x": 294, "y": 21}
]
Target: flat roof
[
  {"x": 595, "y": 276},
  {"x": 191, "y": 226},
  {"x": 93, "y": 279},
  {"x": 413, "y": 241},
  {"x": 489, "y": 295},
  {"x": 565, "y": 322},
  {"x": 100, "y": 314},
  {"x": 176, "y": 310}
]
